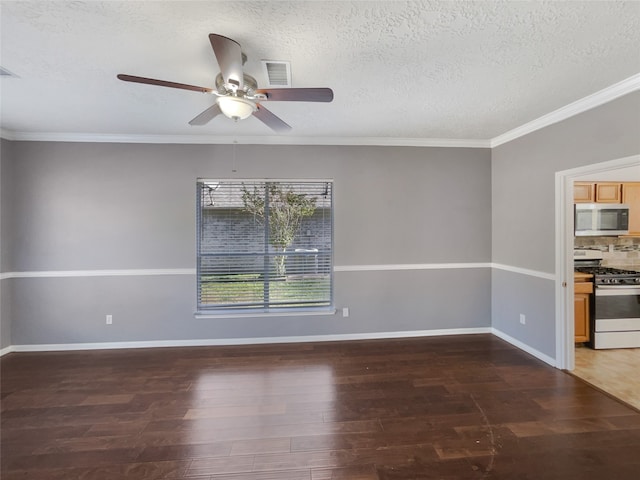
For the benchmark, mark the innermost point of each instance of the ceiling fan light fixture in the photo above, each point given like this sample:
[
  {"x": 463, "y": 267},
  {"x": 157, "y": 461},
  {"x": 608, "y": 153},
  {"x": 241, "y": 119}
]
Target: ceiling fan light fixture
[
  {"x": 237, "y": 93},
  {"x": 236, "y": 108}
]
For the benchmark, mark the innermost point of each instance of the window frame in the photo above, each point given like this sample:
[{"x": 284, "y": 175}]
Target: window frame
[{"x": 203, "y": 311}]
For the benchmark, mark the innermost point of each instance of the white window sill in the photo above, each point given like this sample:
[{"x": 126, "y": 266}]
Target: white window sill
[{"x": 249, "y": 314}]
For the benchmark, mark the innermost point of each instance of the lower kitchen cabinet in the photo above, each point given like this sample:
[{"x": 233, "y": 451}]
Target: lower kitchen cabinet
[
  {"x": 581, "y": 307},
  {"x": 581, "y": 312}
]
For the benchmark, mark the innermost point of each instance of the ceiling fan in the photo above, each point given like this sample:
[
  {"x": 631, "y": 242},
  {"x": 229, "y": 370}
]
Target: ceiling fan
[{"x": 237, "y": 94}]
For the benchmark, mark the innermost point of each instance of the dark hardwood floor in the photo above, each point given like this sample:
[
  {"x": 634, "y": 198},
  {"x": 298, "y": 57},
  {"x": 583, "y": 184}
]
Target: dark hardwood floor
[{"x": 451, "y": 408}]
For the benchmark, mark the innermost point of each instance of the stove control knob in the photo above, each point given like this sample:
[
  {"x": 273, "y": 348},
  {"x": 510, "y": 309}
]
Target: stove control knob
[{"x": 637, "y": 279}]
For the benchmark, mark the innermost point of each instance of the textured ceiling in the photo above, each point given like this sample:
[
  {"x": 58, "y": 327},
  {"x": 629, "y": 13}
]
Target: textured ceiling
[{"x": 439, "y": 70}]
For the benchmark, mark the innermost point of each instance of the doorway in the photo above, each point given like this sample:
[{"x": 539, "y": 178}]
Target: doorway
[{"x": 565, "y": 351}]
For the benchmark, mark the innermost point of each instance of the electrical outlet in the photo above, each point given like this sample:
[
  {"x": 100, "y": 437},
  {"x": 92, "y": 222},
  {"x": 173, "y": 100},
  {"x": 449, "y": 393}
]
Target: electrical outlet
[
  {"x": 109, "y": 319},
  {"x": 523, "y": 319},
  {"x": 345, "y": 311}
]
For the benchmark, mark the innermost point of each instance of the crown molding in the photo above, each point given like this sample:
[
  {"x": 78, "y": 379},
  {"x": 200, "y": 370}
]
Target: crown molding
[
  {"x": 601, "y": 97},
  {"x": 256, "y": 140}
]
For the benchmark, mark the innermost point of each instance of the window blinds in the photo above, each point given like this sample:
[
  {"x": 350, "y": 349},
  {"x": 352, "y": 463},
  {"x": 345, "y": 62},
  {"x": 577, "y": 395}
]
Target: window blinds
[{"x": 264, "y": 245}]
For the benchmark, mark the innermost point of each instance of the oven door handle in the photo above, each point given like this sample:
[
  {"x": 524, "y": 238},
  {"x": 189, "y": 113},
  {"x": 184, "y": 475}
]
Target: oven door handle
[{"x": 613, "y": 290}]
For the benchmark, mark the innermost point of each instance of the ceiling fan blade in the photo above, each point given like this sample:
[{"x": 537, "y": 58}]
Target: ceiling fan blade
[
  {"x": 271, "y": 120},
  {"x": 297, "y": 94},
  {"x": 229, "y": 56},
  {"x": 163, "y": 83},
  {"x": 206, "y": 116}
]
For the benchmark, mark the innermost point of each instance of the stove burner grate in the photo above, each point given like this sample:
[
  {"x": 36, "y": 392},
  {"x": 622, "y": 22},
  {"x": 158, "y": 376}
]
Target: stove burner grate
[{"x": 607, "y": 271}]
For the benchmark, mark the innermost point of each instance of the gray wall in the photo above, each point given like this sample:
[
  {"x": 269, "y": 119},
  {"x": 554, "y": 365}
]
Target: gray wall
[
  {"x": 523, "y": 212},
  {"x": 5, "y": 297},
  {"x": 117, "y": 206},
  {"x": 132, "y": 206}
]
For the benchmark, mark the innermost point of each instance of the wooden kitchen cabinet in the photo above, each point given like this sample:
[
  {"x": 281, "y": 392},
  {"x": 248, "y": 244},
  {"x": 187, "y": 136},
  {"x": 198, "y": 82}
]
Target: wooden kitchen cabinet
[
  {"x": 597, "y": 192},
  {"x": 582, "y": 306},
  {"x": 584, "y": 192},
  {"x": 581, "y": 312},
  {"x": 631, "y": 197},
  {"x": 609, "y": 192}
]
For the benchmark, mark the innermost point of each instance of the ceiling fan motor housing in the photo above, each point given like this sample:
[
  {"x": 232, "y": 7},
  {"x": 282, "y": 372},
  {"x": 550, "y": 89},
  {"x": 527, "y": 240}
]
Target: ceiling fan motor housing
[
  {"x": 248, "y": 89},
  {"x": 236, "y": 103}
]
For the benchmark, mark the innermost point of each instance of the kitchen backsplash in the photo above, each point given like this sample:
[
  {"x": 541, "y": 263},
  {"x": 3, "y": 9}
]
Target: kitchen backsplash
[{"x": 616, "y": 251}]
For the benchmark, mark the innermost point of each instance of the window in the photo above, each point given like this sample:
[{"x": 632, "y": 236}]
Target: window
[{"x": 264, "y": 246}]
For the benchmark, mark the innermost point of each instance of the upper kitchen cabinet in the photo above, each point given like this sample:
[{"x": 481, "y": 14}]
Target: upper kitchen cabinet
[
  {"x": 631, "y": 196},
  {"x": 597, "y": 192},
  {"x": 608, "y": 192},
  {"x": 584, "y": 192}
]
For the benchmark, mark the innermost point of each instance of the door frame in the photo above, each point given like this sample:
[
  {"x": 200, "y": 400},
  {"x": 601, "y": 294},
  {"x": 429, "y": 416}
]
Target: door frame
[{"x": 564, "y": 226}]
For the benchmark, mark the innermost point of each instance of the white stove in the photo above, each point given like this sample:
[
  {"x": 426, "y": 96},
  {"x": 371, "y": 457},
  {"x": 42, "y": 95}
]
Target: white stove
[{"x": 615, "y": 321}]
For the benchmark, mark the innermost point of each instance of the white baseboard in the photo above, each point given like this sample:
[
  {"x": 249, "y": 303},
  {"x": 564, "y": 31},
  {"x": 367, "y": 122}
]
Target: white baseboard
[
  {"x": 275, "y": 340},
  {"x": 522, "y": 346},
  {"x": 244, "y": 341},
  {"x": 6, "y": 350}
]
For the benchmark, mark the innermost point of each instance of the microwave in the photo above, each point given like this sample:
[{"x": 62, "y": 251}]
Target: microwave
[{"x": 601, "y": 219}]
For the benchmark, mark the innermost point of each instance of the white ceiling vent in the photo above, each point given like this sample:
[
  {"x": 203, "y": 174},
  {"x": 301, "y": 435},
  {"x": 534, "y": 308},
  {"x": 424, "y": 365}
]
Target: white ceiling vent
[{"x": 278, "y": 73}]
